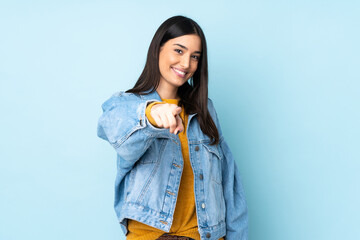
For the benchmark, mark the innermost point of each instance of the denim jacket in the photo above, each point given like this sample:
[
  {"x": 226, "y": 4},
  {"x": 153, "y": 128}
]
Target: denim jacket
[{"x": 149, "y": 168}]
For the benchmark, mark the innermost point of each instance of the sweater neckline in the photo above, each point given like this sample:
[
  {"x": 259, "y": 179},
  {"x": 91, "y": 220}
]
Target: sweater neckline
[{"x": 170, "y": 100}]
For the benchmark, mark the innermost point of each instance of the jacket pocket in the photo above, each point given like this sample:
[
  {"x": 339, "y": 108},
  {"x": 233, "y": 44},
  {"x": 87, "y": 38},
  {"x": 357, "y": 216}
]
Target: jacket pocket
[{"x": 214, "y": 158}]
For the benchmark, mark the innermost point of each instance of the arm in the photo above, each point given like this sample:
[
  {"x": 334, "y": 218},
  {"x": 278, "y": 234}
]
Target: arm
[
  {"x": 124, "y": 125},
  {"x": 236, "y": 209}
]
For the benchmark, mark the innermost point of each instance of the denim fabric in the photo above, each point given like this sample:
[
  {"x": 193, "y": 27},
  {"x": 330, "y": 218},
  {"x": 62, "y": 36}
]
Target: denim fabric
[{"x": 149, "y": 168}]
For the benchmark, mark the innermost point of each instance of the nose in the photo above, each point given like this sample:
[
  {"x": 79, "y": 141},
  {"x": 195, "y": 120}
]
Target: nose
[{"x": 185, "y": 61}]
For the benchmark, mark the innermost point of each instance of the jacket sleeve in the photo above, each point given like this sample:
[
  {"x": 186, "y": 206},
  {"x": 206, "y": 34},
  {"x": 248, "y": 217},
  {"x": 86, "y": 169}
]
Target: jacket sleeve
[
  {"x": 124, "y": 125},
  {"x": 236, "y": 207}
]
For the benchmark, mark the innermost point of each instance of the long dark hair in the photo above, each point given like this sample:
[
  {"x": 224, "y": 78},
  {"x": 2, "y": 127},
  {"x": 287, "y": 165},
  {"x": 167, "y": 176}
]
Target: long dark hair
[{"x": 193, "y": 95}]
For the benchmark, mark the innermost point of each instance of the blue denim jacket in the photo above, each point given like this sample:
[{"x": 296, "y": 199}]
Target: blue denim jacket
[{"x": 149, "y": 168}]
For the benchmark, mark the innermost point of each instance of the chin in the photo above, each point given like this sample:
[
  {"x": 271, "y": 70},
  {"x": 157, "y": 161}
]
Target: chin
[{"x": 182, "y": 82}]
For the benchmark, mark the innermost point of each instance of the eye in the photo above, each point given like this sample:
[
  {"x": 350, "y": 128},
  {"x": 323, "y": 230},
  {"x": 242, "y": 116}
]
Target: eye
[
  {"x": 196, "y": 57},
  {"x": 178, "y": 50}
]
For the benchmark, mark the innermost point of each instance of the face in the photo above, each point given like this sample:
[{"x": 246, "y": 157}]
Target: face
[{"x": 178, "y": 59}]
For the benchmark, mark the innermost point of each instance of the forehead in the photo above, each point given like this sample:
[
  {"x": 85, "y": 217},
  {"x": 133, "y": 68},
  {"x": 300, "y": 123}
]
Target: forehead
[{"x": 190, "y": 41}]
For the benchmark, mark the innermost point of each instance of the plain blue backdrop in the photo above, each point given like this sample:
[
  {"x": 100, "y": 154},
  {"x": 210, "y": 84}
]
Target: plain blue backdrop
[{"x": 283, "y": 75}]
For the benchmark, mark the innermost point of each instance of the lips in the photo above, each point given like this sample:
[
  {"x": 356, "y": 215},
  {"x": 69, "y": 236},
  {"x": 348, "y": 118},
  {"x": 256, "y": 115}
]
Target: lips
[{"x": 179, "y": 72}]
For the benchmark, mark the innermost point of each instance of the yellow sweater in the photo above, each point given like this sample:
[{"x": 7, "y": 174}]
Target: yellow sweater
[{"x": 185, "y": 220}]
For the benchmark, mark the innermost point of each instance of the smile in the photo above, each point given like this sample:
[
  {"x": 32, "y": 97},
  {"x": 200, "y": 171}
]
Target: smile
[{"x": 178, "y": 72}]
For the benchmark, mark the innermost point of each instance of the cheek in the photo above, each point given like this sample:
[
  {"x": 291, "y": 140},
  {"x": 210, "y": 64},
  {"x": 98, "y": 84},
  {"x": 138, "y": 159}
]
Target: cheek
[
  {"x": 171, "y": 59},
  {"x": 167, "y": 61},
  {"x": 194, "y": 66},
  {"x": 163, "y": 64}
]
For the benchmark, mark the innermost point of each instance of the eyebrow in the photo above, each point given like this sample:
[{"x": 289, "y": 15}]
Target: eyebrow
[{"x": 186, "y": 47}]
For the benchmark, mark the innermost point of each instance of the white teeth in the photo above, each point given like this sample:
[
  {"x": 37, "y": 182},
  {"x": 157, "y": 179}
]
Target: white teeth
[{"x": 182, "y": 73}]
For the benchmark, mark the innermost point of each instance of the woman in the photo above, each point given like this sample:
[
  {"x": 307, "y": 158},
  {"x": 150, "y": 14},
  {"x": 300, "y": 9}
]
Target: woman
[{"x": 176, "y": 177}]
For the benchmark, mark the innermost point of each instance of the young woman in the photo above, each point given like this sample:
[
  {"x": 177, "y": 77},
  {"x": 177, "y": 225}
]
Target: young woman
[{"x": 176, "y": 176}]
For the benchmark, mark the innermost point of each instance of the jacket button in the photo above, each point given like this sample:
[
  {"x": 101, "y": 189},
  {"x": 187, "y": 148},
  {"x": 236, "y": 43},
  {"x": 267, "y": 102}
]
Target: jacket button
[
  {"x": 203, "y": 205},
  {"x": 197, "y": 148},
  {"x": 208, "y": 235},
  {"x": 201, "y": 177}
]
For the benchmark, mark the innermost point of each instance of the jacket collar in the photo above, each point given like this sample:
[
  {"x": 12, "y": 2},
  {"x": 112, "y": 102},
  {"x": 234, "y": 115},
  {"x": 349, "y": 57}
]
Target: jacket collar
[{"x": 153, "y": 95}]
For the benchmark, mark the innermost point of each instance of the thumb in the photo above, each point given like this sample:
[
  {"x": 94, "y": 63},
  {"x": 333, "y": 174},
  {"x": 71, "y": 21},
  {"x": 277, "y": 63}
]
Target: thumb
[{"x": 177, "y": 111}]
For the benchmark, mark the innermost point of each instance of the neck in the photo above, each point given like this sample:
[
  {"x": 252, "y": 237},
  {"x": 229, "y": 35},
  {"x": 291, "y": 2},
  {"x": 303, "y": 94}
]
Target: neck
[{"x": 167, "y": 92}]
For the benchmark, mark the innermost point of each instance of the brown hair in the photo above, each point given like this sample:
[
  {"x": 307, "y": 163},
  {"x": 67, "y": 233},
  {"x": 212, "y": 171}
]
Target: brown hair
[{"x": 193, "y": 95}]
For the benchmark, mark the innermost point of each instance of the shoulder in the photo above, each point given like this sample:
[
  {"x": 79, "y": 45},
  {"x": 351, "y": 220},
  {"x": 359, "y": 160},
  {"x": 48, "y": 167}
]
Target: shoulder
[
  {"x": 211, "y": 108},
  {"x": 213, "y": 114},
  {"x": 212, "y": 111},
  {"x": 210, "y": 104},
  {"x": 117, "y": 98}
]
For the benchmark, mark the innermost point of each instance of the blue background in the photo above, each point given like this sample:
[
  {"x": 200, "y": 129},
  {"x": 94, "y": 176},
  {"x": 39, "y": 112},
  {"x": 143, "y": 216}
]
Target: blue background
[{"x": 284, "y": 78}]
